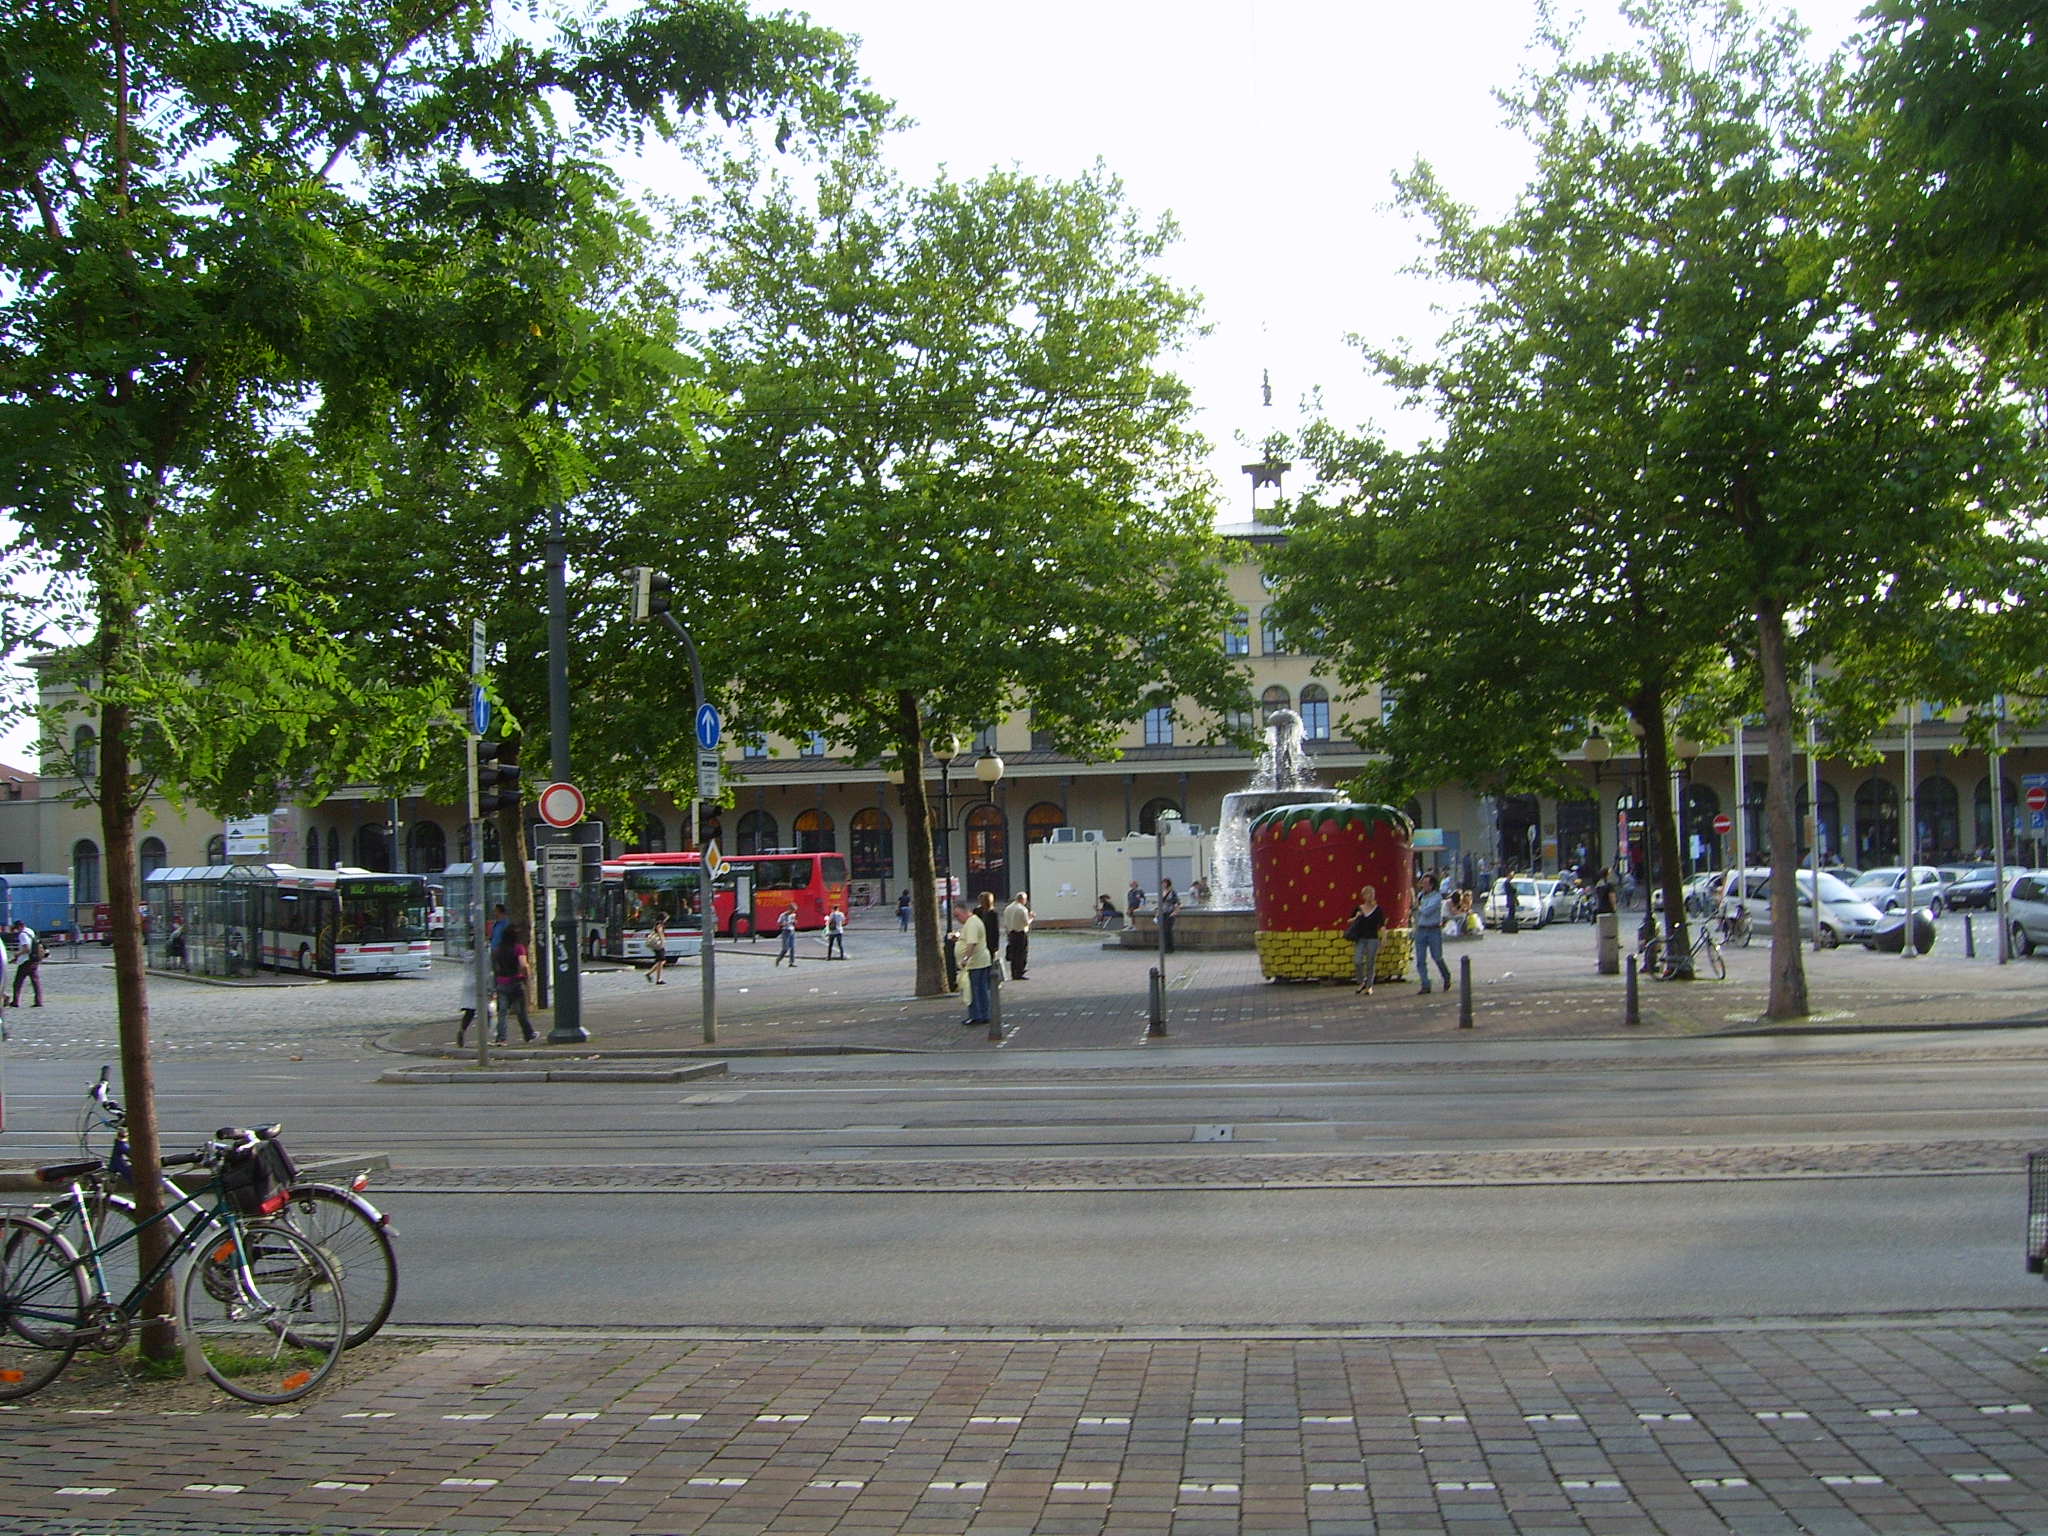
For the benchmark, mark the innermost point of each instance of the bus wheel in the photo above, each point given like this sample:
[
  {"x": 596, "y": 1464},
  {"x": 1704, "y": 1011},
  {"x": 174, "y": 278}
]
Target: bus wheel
[{"x": 305, "y": 959}]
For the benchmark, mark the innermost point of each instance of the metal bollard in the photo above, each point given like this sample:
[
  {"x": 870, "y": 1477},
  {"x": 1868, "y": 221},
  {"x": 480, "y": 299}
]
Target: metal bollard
[
  {"x": 995, "y": 1003},
  {"x": 1631, "y": 1009},
  {"x": 1157, "y": 1031},
  {"x": 1464, "y": 991},
  {"x": 1969, "y": 938}
]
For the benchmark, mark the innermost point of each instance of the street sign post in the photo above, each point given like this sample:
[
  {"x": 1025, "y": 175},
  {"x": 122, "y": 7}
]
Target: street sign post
[
  {"x": 561, "y": 866},
  {"x": 709, "y": 783},
  {"x": 710, "y": 728},
  {"x": 714, "y": 861}
]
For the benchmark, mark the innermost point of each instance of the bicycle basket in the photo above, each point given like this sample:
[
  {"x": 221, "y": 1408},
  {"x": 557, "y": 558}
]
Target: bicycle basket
[{"x": 257, "y": 1180}]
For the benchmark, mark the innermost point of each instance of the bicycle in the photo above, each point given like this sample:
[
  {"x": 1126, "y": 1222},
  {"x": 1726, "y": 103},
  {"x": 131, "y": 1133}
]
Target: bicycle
[
  {"x": 353, "y": 1234},
  {"x": 261, "y": 1309},
  {"x": 1704, "y": 949},
  {"x": 1734, "y": 925}
]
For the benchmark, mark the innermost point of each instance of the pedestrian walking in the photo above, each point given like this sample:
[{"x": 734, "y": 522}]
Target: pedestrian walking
[
  {"x": 1512, "y": 922},
  {"x": 1169, "y": 908},
  {"x": 785, "y": 926},
  {"x": 976, "y": 958},
  {"x": 903, "y": 911},
  {"x": 1367, "y": 919},
  {"x": 510, "y": 966},
  {"x": 1428, "y": 930},
  {"x": 1017, "y": 934},
  {"x": 657, "y": 946},
  {"x": 29, "y": 954},
  {"x": 835, "y": 935}
]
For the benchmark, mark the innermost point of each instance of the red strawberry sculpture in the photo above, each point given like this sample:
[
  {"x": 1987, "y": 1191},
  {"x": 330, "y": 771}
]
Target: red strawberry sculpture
[{"x": 1309, "y": 863}]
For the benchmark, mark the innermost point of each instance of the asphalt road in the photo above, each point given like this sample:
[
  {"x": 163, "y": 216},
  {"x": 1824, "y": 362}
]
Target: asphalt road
[{"x": 1259, "y": 1257}]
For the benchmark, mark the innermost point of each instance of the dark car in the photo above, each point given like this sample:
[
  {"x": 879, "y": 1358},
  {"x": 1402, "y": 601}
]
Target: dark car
[{"x": 1979, "y": 887}]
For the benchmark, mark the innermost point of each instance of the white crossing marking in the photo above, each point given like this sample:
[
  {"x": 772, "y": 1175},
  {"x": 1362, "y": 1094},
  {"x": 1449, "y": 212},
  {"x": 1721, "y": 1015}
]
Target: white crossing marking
[
  {"x": 1336, "y": 1487},
  {"x": 468, "y": 1417},
  {"x": 364, "y": 1413},
  {"x": 1851, "y": 1480},
  {"x": 1719, "y": 1482},
  {"x": 1981, "y": 1477},
  {"x": 889, "y": 1418},
  {"x": 1893, "y": 1413},
  {"x": 996, "y": 1418},
  {"x": 89, "y": 1413},
  {"x": 1665, "y": 1418},
  {"x": 673, "y": 1418},
  {"x": 215, "y": 1488},
  {"x": 1438, "y": 1418},
  {"x": 1205, "y": 1420},
  {"x": 717, "y": 1482},
  {"x": 1770, "y": 1414},
  {"x": 83, "y": 1493},
  {"x": 1104, "y": 1420},
  {"x": 1328, "y": 1418},
  {"x": 333, "y": 1487},
  {"x": 2007, "y": 1408},
  {"x": 1074, "y": 1487},
  {"x": 1583, "y": 1483},
  {"x": 469, "y": 1482},
  {"x": 836, "y": 1482},
  {"x": 1209, "y": 1488},
  {"x": 781, "y": 1418},
  {"x": 595, "y": 1477},
  {"x": 946, "y": 1487},
  {"x": 1466, "y": 1487},
  {"x": 1551, "y": 1418},
  {"x": 576, "y": 1417}
]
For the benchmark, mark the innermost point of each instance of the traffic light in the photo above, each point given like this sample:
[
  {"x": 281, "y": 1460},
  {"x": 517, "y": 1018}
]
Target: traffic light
[
  {"x": 651, "y": 591},
  {"x": 497, "y": 777}
]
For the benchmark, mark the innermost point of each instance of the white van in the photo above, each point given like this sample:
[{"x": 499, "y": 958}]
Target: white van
[{"x": 1844, "y": 915}]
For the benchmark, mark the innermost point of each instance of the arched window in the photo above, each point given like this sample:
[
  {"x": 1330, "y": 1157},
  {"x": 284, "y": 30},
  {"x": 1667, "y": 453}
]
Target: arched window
[
  {"x": 653, "y": 835},
  {"x": 1315, "y": 712},
  {"x": 1148, "y": 816},
  {"x": 753, "y": 746},
  {"x": 2009, "y": 802},
  {"x": 1159, "y": 726},
  {"x": 1241, "y": 719},
  {"x": 814, "y": 744},
  {"x": 372, "y": 847},
  {"x": 988, "y": 850},
  {"x": 815, "y": 832},
  {"x": 758, "y": 833},
  {"x": 1237, "y": 639},
  {"x": 85, "y": 755},
  {"x": 1877, "y": 822},
  {"x": 217, "y": 849},
  {"x": 334, "y": 843},
  {"x": 150, "y": 855},
  {"x": 874, "y": 844},
  {"x": 429, "y": 848},
  {"x": 1273, "y": 700},
  {"x": 1939, "y": 811},
  {"x": 85, "y": 870},
  {"x": 1271, "y": 641},
  {"x": 1042, "y": 820}
]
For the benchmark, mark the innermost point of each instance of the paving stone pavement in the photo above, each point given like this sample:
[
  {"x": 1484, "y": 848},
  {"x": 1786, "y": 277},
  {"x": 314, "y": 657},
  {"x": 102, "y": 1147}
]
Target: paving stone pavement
[{"x": 1907, "y": 1427}]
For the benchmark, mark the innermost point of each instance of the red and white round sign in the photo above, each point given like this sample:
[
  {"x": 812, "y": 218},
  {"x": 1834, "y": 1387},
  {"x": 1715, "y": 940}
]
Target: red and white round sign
[
  {"x": 1724, "y": 824},
  {"x": 2037, "y": 797},
  {"x": 561, "y": 805}
]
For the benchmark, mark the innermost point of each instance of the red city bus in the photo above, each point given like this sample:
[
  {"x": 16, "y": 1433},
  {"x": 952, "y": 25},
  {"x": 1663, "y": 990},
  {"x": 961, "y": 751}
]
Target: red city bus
[{"x": 748, "y": 898}]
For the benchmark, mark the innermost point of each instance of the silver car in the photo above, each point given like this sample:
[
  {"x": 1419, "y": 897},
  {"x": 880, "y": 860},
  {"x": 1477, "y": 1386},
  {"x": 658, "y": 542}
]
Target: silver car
[
  {"x": 2026, "y": 911},
  {"x": 1885, "y": 889},
  {"x": 1845, "y": 917}
]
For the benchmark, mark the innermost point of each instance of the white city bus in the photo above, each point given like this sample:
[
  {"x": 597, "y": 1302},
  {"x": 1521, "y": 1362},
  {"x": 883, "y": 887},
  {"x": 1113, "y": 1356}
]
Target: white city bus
[{"x": 341, "y": 922}]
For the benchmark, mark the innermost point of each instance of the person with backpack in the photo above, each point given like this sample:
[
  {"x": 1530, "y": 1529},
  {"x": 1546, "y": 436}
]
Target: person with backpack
[
  {"x": 29, "y": 954},
  {"x": 509, "y": 970}
]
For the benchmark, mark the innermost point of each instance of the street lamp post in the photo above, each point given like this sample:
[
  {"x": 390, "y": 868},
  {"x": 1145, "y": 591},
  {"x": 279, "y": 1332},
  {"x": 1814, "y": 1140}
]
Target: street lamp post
[{"x": 1160, "y": 825}]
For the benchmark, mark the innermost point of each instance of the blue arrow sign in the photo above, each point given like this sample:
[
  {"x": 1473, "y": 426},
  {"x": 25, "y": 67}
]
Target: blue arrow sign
[
  {"x": 709, "y": 727},
  {"x": 479, "y": 710}
]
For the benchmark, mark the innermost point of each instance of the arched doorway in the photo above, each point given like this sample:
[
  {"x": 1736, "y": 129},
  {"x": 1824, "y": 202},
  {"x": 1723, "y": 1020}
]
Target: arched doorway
[
  {"x": 429, "y": 848},
  {"x": 1521, "y": 831},
  {"x": 1938, "y": 810},
  {"x": 988, "y": 851},
  {"x": 372, "y": 847},
  {"x": 2009, "y": 802},
  {"x": 1148, "y": 814},
  {"x": 1578, "y": 834},
  {"x": 1830, "y": 822},
  {"x": 85, "y": 871},
  {"x": 653, "y": 835},
  {"x": 150, "y": 856},
  {"x": 1877, "y": 823},
  {"x": 758, "y": 833}
]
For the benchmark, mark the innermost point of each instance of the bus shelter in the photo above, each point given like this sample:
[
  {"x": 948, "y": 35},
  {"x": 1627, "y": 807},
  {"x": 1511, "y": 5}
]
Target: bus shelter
[
  {"x": 457, "y": 880},
  {"x": 202, "y": 918}
]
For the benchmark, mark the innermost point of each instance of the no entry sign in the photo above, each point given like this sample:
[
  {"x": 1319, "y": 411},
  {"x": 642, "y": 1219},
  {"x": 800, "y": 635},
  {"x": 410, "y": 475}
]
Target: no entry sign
[
  {"x": 1724, "y": 824},
  {"x": 2037, "y": 798}
]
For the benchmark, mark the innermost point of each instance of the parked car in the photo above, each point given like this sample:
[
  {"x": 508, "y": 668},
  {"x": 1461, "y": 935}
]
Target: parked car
[
  {"x": 1845, "y": 873},
  {"x": 2026, "y": 910},
  {"x": 1885, "y": 889},
  {"x": 1538, "y": 900},
  {"x": 1845, "y": 916},
  {"x": 1978, "y": 887}
]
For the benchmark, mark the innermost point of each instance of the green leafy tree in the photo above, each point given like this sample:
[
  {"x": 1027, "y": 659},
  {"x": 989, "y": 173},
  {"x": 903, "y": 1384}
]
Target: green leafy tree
[
  {"x": 197, "y": 261},
  {"x": 1671, "y": 305},
  {"x": 957, "y": 479}
]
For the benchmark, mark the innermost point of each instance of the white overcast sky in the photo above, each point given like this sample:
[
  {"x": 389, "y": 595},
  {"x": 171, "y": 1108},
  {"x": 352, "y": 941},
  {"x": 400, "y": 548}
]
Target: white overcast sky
[{"x": 1268, "y": 128}]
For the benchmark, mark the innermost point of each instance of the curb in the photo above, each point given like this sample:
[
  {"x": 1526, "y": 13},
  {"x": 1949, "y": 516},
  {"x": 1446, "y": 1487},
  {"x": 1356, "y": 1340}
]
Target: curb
[{"x": 585, "y": 1072}]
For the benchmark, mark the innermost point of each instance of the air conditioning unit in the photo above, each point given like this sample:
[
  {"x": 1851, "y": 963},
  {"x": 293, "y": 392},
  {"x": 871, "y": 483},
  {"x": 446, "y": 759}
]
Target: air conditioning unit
[
  {"x": 1064, "y": 835},
  {"x": 1093, "y": 835},
  {"x": 1191, "y": 829}
]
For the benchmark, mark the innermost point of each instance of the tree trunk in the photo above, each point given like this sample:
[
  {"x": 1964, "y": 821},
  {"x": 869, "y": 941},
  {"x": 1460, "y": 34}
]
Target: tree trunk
[
  {"x": 1657, "y": 770},
  {"x": 1788, "y": 998},
  {"x": 926, "y": 921}
]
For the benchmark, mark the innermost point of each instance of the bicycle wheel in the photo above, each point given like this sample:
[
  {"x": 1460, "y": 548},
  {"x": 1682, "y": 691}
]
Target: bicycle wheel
[
  {"x": 358, "y": 1247},
  {"x": 107, "y": 1260},
  {"x": 1715, "y": 959},
  {"x": 1742, "y": 931},
  {"x": 1652, "y": 958},
  {"x": 270, "y": 1331},
  {"x": 42, "y": 1305}
]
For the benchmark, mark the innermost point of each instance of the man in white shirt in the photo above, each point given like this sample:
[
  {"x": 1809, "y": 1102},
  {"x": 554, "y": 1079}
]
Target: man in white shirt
[{"x": 1017, "y": 933}]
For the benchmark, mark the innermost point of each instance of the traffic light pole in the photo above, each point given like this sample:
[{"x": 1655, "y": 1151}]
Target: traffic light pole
[
  {"x": 707, "y": 911},
  {"x": 566, "y": 951}
]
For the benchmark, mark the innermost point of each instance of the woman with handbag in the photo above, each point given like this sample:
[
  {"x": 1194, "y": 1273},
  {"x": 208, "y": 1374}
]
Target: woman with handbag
[{"x": 1367, "y": 919}]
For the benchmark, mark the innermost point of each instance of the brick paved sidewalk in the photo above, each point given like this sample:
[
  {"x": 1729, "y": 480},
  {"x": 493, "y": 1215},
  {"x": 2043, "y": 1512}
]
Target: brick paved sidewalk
[
  {"x": 1534, "y": 985},
  {"x": 1898, "y": 1426}
]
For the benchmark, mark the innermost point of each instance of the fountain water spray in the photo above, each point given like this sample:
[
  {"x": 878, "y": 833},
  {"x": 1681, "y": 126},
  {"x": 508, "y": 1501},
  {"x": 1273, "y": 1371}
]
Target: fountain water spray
[{"x": 1283, "y": 775}]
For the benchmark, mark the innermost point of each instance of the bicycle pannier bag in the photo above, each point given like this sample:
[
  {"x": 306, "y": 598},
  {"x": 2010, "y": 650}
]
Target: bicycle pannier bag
[{"x": 258, "y": 1179}]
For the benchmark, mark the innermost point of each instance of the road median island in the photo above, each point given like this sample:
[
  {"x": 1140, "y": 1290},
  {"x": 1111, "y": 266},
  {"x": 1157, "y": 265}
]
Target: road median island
[{"x": 573, "y": 1070}]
